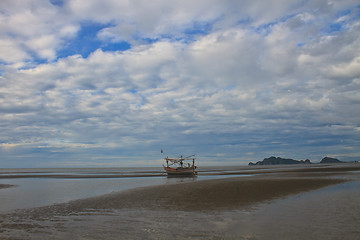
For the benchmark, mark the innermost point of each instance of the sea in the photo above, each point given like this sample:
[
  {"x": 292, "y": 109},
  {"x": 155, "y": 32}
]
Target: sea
[{"x": 36, "y": 187}]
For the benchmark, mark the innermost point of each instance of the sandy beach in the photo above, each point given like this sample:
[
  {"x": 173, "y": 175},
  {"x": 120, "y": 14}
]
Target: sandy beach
[{"x": 209, "y": 209}]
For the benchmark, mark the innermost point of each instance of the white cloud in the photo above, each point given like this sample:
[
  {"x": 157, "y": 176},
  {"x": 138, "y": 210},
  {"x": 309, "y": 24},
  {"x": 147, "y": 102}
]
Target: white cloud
[
  {"x": 10, "y": 52},
  {"x": 36, "y": 29},
  {"x": 256, "y": 87},
  {"x": 346, "y": 70}
]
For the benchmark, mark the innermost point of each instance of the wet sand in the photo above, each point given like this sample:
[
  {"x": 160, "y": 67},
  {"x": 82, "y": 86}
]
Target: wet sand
[
  {"x": 207, "y": 195},
  {"x": 204, "y": 208}
]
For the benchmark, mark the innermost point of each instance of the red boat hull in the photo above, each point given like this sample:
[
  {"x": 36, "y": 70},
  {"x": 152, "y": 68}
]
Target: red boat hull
[{"x": 188, "y": 171}]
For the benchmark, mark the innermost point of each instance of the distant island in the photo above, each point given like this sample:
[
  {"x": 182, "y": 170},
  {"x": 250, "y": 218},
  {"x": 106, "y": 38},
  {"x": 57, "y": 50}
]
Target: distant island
[
  {"x": 330, "y": 160},
  {"x": 279, "y": 160}
]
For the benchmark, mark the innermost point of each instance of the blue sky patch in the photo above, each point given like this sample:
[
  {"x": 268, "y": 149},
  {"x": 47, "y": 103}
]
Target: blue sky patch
[
  {"x": 199, "y": 28},
  {"x": 336, "y": 27},
  {"x": 87, "y": 42},
  {"x": 300, "y": 44},
  {"x": 59, "y": 3}
]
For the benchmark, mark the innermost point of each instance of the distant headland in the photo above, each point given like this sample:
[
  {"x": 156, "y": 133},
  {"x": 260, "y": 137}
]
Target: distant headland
[{"x": 279, "y": 160}]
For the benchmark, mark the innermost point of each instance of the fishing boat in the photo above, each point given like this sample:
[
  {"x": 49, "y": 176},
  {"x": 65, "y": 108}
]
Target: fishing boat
[{"x": 182, "y": 166}]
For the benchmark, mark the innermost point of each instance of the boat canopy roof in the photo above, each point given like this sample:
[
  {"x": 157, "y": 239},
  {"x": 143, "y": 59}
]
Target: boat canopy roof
[{"x": 181, "y": 159}]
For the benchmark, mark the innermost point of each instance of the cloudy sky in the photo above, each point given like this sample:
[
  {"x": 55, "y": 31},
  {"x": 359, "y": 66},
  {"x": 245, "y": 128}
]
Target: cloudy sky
[{"x": 88, "y": 83}]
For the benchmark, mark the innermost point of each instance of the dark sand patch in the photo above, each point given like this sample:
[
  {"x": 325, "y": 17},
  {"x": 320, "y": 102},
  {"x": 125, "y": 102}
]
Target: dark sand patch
[
  {"x": 224, "y": 194},
  {"x": 6, "y": 186}
]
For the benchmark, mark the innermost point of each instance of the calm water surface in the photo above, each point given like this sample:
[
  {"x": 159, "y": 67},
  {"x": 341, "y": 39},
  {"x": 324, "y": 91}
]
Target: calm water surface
[{"x": 329, "y": 213}]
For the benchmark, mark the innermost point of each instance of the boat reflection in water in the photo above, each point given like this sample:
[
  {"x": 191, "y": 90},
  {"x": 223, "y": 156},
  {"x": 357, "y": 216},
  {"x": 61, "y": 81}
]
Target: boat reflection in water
[{"x": 180, "y": 167}]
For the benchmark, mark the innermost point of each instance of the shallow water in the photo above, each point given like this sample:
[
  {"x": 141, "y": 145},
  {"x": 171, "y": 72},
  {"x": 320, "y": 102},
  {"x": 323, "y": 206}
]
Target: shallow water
[{"x": 329, "y": 213}]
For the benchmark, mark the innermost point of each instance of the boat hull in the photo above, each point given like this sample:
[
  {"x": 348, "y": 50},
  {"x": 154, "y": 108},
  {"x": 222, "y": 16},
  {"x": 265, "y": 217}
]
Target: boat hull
[{"x": 189, "y": 171}]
